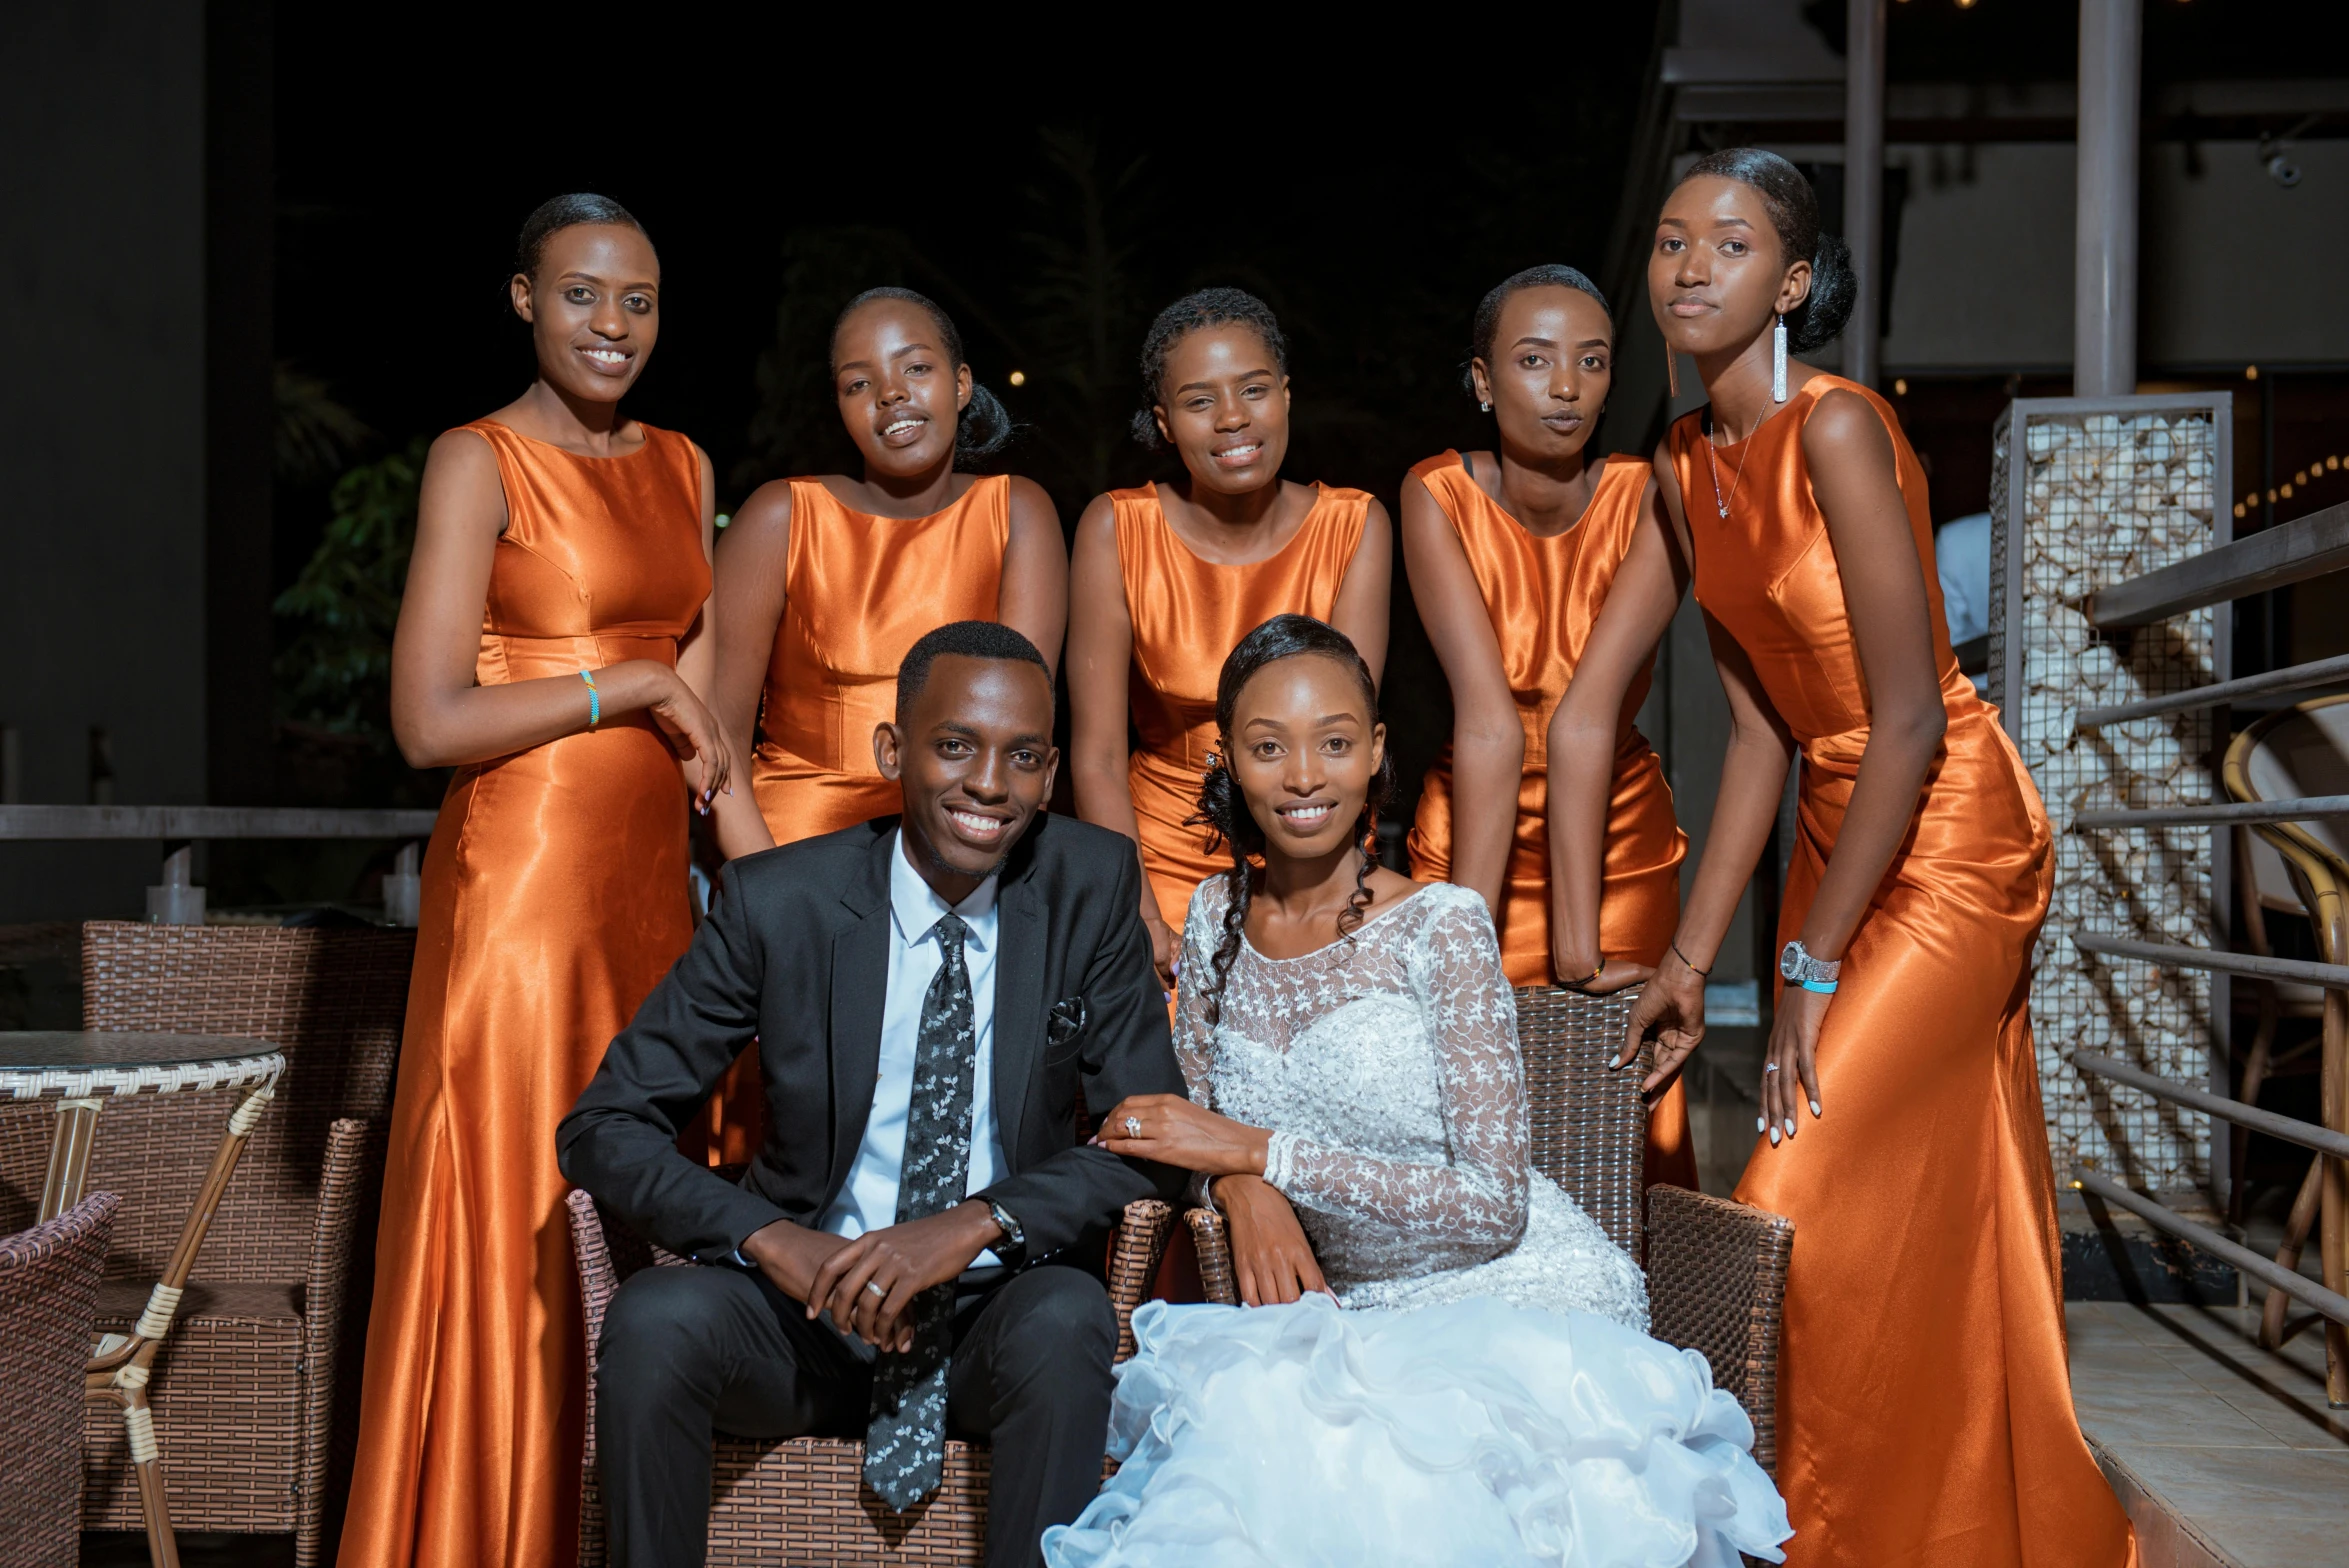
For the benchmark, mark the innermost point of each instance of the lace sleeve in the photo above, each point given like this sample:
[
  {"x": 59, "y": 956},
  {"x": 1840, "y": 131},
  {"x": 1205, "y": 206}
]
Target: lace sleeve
[
  {"x": 1193, "y": 1040},
  {"x": 1478, "y": 1199}
]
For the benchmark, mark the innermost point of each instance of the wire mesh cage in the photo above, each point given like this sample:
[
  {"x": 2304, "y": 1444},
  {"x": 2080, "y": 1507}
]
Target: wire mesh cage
[{"x": 2087, "y": 493}]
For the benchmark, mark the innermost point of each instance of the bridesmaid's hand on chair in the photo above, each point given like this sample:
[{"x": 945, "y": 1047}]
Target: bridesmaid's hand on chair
[
  {"x": 1272, "y": 1262},
  {"x": 1790, "y": 1077},
  {"x": 1671, "y": 1012}
]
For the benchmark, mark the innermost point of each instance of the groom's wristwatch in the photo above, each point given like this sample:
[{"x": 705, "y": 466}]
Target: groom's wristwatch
[{"x": 1015, "y": 1240}]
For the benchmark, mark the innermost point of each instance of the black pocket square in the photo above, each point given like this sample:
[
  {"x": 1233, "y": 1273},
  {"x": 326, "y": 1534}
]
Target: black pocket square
[{"x": 1067, "y": 1021}]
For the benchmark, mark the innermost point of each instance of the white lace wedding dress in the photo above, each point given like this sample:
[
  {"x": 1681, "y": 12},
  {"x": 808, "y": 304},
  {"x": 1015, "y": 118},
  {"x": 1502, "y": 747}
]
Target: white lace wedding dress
[{"x": 1487, "y": 1394}]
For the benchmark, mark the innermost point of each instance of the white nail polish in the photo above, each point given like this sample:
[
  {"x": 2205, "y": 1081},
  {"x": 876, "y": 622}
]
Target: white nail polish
[
  {"x": 1816, "y": 1113},
  {"x": 1761, "y": 1124},
  {"x": 1773, "y": 1137},
  {"x": 1790, "y": 1126}
]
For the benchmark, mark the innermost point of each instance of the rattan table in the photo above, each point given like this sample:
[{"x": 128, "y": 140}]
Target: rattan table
[{"x": 81, "y": 1071}]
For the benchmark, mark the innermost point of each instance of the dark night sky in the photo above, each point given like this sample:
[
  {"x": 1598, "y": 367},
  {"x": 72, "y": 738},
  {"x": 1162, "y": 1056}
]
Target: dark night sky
[{"x": 1371, "y": 218}]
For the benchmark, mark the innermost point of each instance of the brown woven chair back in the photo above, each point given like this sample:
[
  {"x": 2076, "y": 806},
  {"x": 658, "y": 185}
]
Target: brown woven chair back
[
  {"x": 333, "y": 1000},
  {"x": 48, "y": 1320},
  {"x": 1589, "y": 1124}
]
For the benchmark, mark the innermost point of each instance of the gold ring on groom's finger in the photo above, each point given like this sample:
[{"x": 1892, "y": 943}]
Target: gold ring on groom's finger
[{"x": 1133, "y": 1126}]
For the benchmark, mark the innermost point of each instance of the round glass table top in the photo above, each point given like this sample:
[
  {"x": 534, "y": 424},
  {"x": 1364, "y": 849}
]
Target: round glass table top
[{"x": 77, "y": 1062}]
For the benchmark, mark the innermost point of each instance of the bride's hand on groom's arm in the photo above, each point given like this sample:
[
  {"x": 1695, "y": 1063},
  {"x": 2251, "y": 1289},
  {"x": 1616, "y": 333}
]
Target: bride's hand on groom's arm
[
  {"x": 1272, "y": 1262},
  {"x": 1170, "y": 1130}
]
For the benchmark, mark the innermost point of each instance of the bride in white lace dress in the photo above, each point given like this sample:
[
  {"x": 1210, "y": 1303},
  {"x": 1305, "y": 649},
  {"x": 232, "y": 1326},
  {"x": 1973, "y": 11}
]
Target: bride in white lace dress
[{"x": 1456, "y": 1368}]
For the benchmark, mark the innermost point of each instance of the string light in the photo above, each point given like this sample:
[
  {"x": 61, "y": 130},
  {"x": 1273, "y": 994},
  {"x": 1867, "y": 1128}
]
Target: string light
[
  {"x": 1900, "y": 386},
  {"x": 2251, "y": 372},
  {"x": 2238, "y": 509},
  {"x": 1018, "y": 378}
]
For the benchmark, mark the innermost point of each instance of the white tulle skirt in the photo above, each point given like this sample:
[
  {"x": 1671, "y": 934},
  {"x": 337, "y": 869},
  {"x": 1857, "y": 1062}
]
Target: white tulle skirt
[{"x": 1474, "y": 1432}]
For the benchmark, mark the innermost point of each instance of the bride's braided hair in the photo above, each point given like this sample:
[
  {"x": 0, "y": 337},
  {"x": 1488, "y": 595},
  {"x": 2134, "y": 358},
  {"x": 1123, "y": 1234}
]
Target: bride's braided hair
[{"x": 1224, "y": 811}]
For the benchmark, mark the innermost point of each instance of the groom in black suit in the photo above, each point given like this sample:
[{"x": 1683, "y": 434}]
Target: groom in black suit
[{"x": 909, "y": 1252}]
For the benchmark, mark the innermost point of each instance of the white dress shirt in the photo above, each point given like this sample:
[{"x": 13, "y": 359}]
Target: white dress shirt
[{"x": 868, "y": 1200}]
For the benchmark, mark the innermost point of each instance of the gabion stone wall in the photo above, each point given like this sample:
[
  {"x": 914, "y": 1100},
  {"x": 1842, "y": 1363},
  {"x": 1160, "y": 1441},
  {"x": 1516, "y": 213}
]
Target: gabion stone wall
[{"x": 2086, "y": 494}]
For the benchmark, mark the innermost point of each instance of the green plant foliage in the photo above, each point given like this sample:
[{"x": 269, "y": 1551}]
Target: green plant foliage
[{"x": 334, "y": 662}]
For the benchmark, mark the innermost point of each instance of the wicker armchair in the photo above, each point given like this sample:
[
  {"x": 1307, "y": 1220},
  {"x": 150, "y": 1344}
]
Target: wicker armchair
[
  {"x": 48, "y": 1312},
  {"x": 245, "y": 1391},
  {"x": 1716, "y": 1269},
  {"x": 802, "y": 1500}
]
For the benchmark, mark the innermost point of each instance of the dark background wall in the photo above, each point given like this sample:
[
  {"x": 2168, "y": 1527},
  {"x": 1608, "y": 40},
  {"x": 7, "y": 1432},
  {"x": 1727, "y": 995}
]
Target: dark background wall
[{"x": 102, "y": 430}]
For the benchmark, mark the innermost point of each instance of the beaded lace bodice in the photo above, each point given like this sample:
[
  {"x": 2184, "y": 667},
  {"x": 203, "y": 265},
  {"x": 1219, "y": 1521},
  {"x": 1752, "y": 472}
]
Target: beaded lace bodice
[{"x": 1387, "y": 1068}]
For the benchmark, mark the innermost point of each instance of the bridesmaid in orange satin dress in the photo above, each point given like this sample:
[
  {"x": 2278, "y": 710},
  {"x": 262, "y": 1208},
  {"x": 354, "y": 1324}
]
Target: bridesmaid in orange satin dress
[
  {"x": 1511, "y": 554},
  {"x": 548, "y": 646},
  {"x": 1925, "y": 1410},
  {"x": 824, "y": 582},
  {"x": 1167, "y": 578}
]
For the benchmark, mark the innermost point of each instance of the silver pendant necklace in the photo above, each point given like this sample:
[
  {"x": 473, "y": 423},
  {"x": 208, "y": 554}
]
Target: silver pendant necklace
[{"x": 1719, "y": 504}]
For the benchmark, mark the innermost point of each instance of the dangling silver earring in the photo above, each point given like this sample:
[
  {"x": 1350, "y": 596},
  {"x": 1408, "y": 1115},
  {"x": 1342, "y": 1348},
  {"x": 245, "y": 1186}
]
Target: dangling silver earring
[
  {"x": 1671, "y": 370},
  {"x": 1778, "y": 360},
  {"x": 1487, "y": 407}
]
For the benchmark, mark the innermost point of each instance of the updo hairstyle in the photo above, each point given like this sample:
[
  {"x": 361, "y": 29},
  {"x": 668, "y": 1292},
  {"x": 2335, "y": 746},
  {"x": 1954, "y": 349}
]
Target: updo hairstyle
[
  {"x": 1794, "y": 212},
  {"x": 558, "y": 213},
  {"x": 984, "y": 427}
]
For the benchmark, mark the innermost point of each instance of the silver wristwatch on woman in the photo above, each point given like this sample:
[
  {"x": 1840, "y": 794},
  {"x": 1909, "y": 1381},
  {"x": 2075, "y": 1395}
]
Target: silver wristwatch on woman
[{"x": 1812, "y": 974}]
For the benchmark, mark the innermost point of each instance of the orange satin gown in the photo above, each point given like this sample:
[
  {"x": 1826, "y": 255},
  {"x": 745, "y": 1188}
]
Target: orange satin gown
[
  {"x": 1188, "y": 614},
  {"x": 1924, "y": 1408},
  {"x": 1544, "y": 596},
  {"x": 554, "y": 898},
  {"x": 858, "y": 591}
]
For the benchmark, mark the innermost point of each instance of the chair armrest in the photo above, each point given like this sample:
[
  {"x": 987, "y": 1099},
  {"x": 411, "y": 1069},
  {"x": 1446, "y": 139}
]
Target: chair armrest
[
  {"x": 1717, "y": 1285},
  {"x": 342, "y": 1185},
  {"x": 1213, "y": 1239},
  {"x": 1135, "y": 1247}
]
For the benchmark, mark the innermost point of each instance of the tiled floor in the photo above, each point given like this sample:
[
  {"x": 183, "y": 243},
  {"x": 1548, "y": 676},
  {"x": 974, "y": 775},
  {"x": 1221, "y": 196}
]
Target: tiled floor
[{"x": 2225, "y": 1455}]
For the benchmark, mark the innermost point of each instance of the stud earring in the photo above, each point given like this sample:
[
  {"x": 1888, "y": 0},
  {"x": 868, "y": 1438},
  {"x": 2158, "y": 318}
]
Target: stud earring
[
  {"x": 1671, "y": 371},
  {"x": 1487, "y": 407},
  {"x": 1778, "y": 360}
]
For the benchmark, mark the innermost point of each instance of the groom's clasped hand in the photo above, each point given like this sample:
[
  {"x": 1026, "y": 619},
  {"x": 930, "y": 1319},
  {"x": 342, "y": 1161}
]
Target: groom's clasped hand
[{"x": 867, "y": 1284}]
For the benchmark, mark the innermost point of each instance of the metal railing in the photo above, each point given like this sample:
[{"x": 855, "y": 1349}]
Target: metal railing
[
  {"x": 2312, "y": 546},
  {"x": 179, "y": 823}
]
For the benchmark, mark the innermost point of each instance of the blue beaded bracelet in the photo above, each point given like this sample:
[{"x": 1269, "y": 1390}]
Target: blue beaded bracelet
[{"x": 595, "y": 701}]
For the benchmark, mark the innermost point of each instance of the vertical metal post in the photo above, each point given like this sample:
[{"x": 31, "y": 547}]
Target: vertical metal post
[
  {"x": 2271, "y": 603},
  {"x": 2104, "y": 259},
  {"x": 1863, "y": 184}
]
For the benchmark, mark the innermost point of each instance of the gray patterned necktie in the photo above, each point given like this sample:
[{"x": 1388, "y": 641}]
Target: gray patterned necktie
[{"x": 905, "y": 1441}]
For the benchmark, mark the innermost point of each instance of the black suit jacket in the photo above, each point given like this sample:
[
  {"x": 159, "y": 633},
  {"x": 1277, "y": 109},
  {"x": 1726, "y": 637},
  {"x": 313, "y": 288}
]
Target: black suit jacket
[{"x": 795, "y": 953}]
